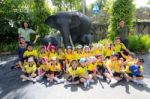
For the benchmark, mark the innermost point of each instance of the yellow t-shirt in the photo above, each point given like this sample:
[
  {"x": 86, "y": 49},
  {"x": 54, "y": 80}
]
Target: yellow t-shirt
[
  {"x": 70, "y": 57},
  {"x": 41, "y": 55},
  {"x": 114, "y": 65},
  {"x": 44, "y": 67},
  {"x": 119, "y": 47},
  {"x": 108, "y": 52},
  {"x": 87, "y": 55},
  {"x": 62, "y": 56},
  {"x": 100, "y": 64},
  {"x": 92, "y": 66},
  {"x": 52, "y": 55},
  {"x": 73, "y": 72},
  {"x": 30, "y": 69},
  {"x": 54, "y": 68},
  {"x": 30, "y": 53},
  {"x": 78, "y": 55},
  {"x": 82, "y": 71},
  {"x": 98, "y": 51}
]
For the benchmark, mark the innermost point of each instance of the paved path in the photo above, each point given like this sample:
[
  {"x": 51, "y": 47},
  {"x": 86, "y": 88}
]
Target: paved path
[{"x": 11, "y": 86}]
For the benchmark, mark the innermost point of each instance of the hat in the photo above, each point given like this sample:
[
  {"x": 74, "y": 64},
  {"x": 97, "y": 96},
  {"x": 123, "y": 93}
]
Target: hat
[
  {"x": 53, "y": 58},
  {"x": 82, "y": 60},
  {"x": 79, "y": 46},
  {"x": 30, "y": 59},
  {"x": 92, "y": 58},
  {"x": 52, "y": 47},
  {"x": 43, "y": 47},
  {"x": 86, "y": 46},
  {"x": 68, "y": 47}
]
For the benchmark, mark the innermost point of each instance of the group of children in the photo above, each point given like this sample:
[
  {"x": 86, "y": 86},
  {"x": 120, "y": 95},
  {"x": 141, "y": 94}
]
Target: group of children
[{"x": 80, "y": 65}]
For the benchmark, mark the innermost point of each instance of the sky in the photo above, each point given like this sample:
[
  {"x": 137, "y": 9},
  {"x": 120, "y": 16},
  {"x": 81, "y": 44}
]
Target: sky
[{"x": 138, "y": 3}]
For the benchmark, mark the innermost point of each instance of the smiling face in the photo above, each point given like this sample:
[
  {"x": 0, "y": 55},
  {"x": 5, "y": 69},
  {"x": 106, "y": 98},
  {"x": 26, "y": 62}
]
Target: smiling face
[{"x": 25, "y": 25}]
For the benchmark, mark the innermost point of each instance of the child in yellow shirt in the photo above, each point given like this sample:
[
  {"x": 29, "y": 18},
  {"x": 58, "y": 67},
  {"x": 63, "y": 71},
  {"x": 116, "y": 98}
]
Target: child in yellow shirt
[
  {"x": 55, "y": 71},
  {"x": 73, "y": 74},
  {"x": 79, "y": 53},
  {"x": 29, "y": 70},
  {"x": 87, "y": 52},
  {"x": 83, "y": 72},
  {"x": 52, "y": 52}
]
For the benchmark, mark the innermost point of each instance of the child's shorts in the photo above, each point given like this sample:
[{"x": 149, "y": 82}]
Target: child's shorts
[
  {"x": 101, "y": 69},
  {"x": 116, "y": 74},
  {"x": 129, "y": 74},
  {"x": 90, "y": 72},
  {"x": 70, "y": 79}
]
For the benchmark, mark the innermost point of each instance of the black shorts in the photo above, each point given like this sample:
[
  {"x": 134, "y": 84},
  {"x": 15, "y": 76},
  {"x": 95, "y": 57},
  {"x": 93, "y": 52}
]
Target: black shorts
[
  {"x": 71, "y": 79},
  {"x": 90, "y": 72},
  {"x": 129, "y": 74},
  {"x": 26, "y": 74},
  {"x": 56, "y": 73},
  {"x": 101, "y": 69},
  {"x": 115, "y": 74}
]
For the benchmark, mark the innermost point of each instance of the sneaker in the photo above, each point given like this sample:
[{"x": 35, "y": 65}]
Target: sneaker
[
  {"x": 100, "y": 77},
  {"x": 34, "y": 80},
  {"x": 108, "y": 80},
  {"x": 23, "y": 80},
  {"x": 67, "y": 83},
  {"x": 113, "y": 81},
  {"x": 85, "y": 84}
]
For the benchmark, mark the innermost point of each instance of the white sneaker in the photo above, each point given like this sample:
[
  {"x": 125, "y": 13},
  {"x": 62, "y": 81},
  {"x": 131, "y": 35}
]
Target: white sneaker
[
  {"x": 100, "y": 77},
  {"x": 113, "y": 81},
  {"x": 67, "y": 83},
  {"x": 23, "y": 80},
  {"x": 85, "y": 84},
  {"x": 33, "y": 79}
]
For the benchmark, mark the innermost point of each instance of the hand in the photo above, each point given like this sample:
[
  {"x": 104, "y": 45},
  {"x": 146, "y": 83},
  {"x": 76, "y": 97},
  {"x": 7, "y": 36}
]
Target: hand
[{"x": 37, "y": 36}]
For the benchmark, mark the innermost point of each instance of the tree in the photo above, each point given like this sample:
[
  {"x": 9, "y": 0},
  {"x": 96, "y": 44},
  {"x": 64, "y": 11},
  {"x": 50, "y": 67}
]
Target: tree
[{"x": 121, "y": 10}]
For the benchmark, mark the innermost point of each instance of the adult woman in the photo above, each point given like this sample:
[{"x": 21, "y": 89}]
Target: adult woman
[{"x": 25, "y": 31}]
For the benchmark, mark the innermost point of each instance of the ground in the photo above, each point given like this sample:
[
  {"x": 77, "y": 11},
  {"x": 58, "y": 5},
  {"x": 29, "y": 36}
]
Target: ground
[{"x": 11, "y": 86}]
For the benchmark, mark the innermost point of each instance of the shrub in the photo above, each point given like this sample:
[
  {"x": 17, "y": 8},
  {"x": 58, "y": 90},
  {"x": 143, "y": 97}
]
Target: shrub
[
  {"x": 139, "y": 43},
  {"x": 120, "y": 10}
]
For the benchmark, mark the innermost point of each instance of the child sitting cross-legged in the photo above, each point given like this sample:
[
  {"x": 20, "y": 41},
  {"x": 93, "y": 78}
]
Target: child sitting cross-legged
[
  {"x": 72, "y": 74},
  {"x": 29, "y": 71}
]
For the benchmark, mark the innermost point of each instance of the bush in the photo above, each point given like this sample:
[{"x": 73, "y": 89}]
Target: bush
[
  {"x": 139, "y": 43},
  {"x": 120, "y": 10},
  {"x": 12, "y": 47}
]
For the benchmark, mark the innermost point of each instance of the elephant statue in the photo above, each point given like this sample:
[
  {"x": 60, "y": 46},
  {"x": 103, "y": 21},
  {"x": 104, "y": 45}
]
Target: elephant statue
[{"x": 74, "y": 26}]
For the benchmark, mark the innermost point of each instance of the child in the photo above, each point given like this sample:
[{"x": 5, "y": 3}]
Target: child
[
  {"x": 79, "y": 53},
  {"x": 83, "y": 73},
  {"x": 69, "y": 56},
  {"x": 109, "y": 51},
  {"x": 92, "y": 67},
  {"x": 55, "y": 71},
  {"x": 43, "y": 70},
  {"x": 43, "y": 53},
  {"x": 61, "y": 58},
  {"x": 29, "y": 70},
  {"x": 118, "y": 46},
  {"x": 115, "y": 66},
  {"x": 52, "y": 52},
  {"x": 136, "y": 72},
  {"x": 73, "y": 76},
  {"x": 30, "y": 51},
  {"x": 87, "y": 52}
]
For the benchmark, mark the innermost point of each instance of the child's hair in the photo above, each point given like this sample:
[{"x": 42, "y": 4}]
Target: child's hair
[
  {"x": 72, "y": 62},
  {"x": 22, "y": 24},
  {"x": 30, "y": 44},
  {"x": 117, "y": 38},
  {"x": 141, "y": 60}
]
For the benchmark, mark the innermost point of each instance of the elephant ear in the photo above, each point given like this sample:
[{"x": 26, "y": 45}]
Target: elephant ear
[
  {"x": 75, "y": 21},
  {"x": 51, "y": 21}
]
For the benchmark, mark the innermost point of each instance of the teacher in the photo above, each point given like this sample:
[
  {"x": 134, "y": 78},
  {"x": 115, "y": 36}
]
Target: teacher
[
  {"x": 25, "y": 31},
  {"x": 123, "y": 32}
]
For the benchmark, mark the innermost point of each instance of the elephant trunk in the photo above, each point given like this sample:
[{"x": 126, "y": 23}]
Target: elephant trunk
[{"x": 66, "y": 36}]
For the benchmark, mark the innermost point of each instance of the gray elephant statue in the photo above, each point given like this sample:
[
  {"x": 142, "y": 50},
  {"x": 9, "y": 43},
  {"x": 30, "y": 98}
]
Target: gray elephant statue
[{"x": 75, "y": 27}]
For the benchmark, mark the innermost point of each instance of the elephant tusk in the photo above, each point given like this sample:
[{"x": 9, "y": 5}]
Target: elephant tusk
[{"x": 71, "y": 41}]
